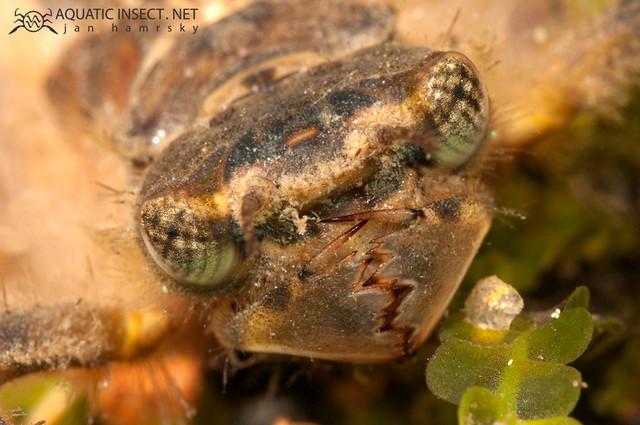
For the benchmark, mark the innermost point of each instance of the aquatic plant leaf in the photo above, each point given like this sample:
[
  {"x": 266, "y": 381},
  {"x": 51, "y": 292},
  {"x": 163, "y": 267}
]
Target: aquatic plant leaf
[
  {"x": 517, "y": 376},
  {"x": 563, "y": 339},
  {"x": 478, "y": 407},
  {"x": 461, "y": 365},
  {"x": 546, "y": 389}
]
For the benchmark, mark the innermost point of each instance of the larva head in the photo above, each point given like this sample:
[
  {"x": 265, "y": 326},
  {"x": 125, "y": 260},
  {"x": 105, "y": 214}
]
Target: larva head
[
  {"x": 187, "y": 243},
  {"x": 456, "y": 107}
]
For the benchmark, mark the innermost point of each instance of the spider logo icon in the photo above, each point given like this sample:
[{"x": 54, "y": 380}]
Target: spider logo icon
[{"x": 33, "y": 21}]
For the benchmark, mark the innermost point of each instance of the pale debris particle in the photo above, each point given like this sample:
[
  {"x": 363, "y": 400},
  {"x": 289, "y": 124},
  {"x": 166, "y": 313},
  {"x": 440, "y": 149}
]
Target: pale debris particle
[{"x": 493, "y": 304}]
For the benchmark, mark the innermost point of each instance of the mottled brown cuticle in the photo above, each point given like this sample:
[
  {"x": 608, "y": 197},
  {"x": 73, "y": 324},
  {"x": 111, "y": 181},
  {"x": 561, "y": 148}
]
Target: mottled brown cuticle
[
  {"x": 278, "y": 298},
  {"x": 447, "y": 209}
]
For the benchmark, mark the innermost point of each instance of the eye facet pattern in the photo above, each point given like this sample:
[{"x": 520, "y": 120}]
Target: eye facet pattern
[
  {"x": 457, "y": 111},
  {"x": 185, "y": 243}
]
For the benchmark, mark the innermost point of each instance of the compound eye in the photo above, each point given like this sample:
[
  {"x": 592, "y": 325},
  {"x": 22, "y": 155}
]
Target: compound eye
[
  {"x": 186, "y": 244},
  {"x": 457, "y": 108}
]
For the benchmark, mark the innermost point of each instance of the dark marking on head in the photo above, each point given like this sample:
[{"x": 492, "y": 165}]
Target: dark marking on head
[
  {"x": 278, "y": 298},
  {"x": 244, "y": 152},
  {"x": 345, "y": 103},
  {"x": 447, "y": 209}
]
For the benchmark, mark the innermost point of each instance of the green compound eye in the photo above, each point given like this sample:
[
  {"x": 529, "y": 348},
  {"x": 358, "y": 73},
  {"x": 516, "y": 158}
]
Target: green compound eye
[
  {"x": 457, "y": 108},
  {"x": 186, "y": 244}
]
